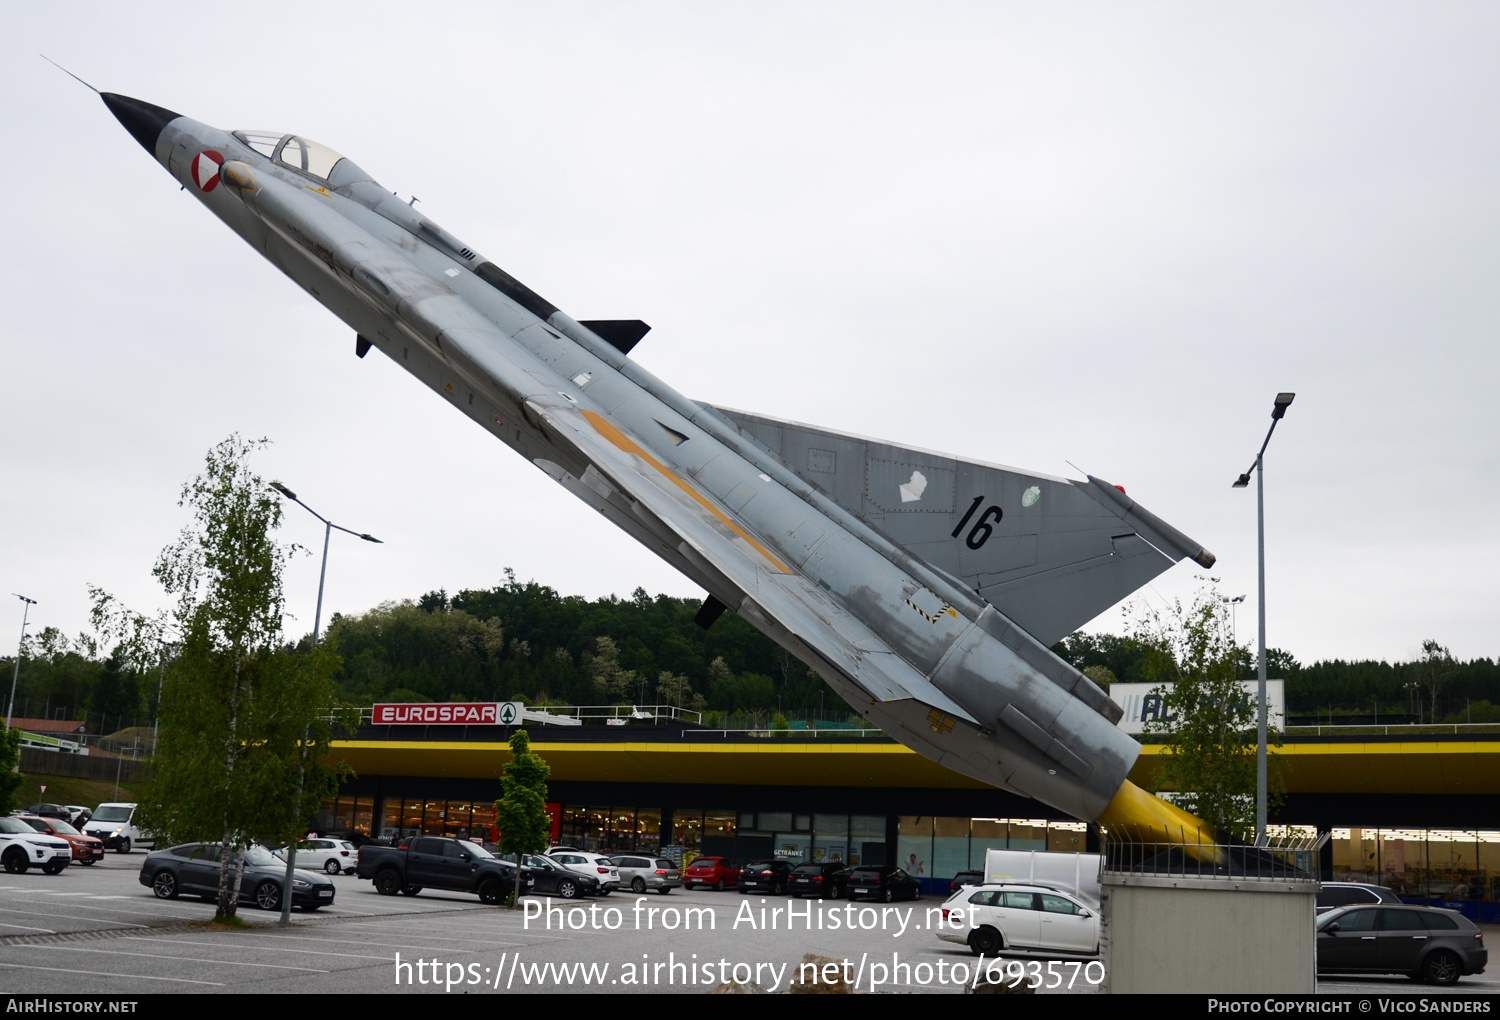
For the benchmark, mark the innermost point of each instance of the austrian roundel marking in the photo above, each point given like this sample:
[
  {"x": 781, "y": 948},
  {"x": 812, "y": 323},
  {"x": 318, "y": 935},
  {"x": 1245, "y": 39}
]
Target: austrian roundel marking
[{"x": 206, "y": 169}]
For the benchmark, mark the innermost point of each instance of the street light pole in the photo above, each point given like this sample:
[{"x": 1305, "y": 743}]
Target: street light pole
[
  {"x": 25, "y": 614},
  {"x": 1283, "y": 401},
  {"x": 328, "y": 526}
]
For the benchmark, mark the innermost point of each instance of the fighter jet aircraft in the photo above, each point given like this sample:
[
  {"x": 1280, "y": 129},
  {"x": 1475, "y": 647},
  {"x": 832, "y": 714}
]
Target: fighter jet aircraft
[{"x": 924, "y": 588}]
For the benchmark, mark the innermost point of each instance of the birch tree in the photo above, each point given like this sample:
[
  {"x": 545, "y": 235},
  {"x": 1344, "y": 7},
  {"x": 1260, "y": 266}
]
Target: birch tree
[{"x": 235, "y": 704}]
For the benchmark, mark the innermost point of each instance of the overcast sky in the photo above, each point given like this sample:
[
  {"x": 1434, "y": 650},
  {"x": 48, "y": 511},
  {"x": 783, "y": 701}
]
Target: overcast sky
[{"x": 1024, "y": 233}]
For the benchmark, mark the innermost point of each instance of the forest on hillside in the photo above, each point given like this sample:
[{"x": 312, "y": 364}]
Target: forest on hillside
[{"x": 524, "y": 641}]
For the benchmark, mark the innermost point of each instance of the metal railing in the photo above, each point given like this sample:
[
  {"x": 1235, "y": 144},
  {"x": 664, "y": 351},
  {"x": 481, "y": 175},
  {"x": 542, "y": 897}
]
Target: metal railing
[
  {"x": 1159, "y": 853},
  {"x": 575, "y": 714},
  {"x": 1387, "y": 730},
  {"x": 768, "y": 731}
]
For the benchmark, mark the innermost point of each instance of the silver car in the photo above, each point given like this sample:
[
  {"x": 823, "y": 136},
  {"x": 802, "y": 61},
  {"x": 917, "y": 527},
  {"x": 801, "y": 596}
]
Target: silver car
[{"x": 641, "y": 872}]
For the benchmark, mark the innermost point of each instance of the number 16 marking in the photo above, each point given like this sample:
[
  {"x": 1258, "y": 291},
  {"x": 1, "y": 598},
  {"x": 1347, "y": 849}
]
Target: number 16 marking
[{"x": 983, "y": 529}]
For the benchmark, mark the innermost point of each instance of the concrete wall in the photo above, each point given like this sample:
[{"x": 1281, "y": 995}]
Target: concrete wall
[{"x": 1207, "y": 935}]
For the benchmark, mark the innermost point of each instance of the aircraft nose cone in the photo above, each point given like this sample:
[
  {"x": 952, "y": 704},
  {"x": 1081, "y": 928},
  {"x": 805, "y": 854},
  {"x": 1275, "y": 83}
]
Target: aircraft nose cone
[{"x": 143, "y": 120}]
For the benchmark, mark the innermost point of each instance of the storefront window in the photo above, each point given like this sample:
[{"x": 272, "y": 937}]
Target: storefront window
[
  {"x": 793, "y": 847},
  {"x": 390, "y": 818},
  {"x": 687, "y": 829},
  {"x": 456, "y": 819},
  {"x": 1446, "y": 865},
  {"x": 432, "y": 817},
  {"x": 830, "y": 838},
  {"x": 411, "y": 818},
  {"x": 913, "y": 844},
  {"x": 867, "y": 839},
  {"x": 986, "y": 834},
  {"x": 1067, "y": 837},
  {"x": 1028, "y": 834},
  {"x": 364, "y": 815},
  {"x": 648, "y": 830},
  {"x": 622, "y": 828},
  {"x": 482, "y": 822},
  {"x": 950, "y": 847}
]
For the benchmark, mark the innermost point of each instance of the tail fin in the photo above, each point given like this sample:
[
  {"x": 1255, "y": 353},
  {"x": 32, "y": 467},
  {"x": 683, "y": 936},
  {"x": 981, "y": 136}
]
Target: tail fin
[{"x": 1049, "y": 553}]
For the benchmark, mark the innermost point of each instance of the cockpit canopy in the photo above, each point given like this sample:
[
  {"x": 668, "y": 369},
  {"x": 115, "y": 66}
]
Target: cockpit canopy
[
  {"x": 294, "y": 151},
  {"x": 303, "y": 154}
]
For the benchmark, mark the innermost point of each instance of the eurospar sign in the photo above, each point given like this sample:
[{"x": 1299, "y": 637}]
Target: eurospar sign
[{"x": 457, "y": 713}]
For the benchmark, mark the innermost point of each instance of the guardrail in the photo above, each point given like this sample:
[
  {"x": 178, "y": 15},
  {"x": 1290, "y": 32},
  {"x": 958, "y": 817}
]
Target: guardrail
[
  {"x": 1396, "y": 729},
  {"x": 766, "y": 731},
  {"x": 1155, "y": 853}
]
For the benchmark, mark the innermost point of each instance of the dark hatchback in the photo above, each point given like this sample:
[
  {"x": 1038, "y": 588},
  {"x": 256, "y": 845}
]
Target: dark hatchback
[
  {"x": 883, "y": 882},
  {"x": 769, "y": 876},
  {"x": 552, "y": 879},
  {"x": 193, "y": 870},
  {"x": 1424, "y": 943},
  {"x": 825, "y": 879}
]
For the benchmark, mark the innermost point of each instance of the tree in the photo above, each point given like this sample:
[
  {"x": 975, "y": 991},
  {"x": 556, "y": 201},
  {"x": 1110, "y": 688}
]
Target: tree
[
  {"x": 10, "y": 769},
  {"x": 1430, "y": 673},
  {"x": 1209, "y": 726},
  {"x": 612, "y": 682},
  {"x": 521, "y": 812},
  {"x": 235, "y": 703}
]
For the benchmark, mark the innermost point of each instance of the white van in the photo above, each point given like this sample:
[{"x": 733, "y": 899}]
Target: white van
[{"x": 114, "y": 823}]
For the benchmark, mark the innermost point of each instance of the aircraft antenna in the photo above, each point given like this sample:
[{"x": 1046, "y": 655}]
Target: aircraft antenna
[
  {"x": 70, "y": 74},
  {"x": 1075, "y": 467}
]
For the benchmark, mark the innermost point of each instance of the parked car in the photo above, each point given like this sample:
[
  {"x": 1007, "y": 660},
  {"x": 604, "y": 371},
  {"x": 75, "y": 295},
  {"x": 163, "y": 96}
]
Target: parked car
[
  {"x": 46, "y": 811},
  {"x": 114, "y": 823},
  {"x": 332, "y": 856},
  {"x": 883, "y": 882},
  {"x": 719, "y": 872},
  {"x": 593, "y": 865},
  {"x": 974, "y": 876},
  {"x": 192, "y": 869},
  {"x": 22, "y": 847},
  {"x": 1022, "y": 918},
  {"x": 641, "y": 872},
  {"x": 1333, "y": 895},
  {"x": 417, "y": 862},
  {"x": 828, "y": 880},
  {"x": 771, "y": 876},
  {"x": 86, "y": 849},
  {"x": 553, "y": 879},
  {"x": 1424, "y": 943}
]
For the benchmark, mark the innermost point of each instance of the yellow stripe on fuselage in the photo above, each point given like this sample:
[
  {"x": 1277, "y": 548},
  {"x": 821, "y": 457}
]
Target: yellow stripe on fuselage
[{"x": 624, "y": 442}]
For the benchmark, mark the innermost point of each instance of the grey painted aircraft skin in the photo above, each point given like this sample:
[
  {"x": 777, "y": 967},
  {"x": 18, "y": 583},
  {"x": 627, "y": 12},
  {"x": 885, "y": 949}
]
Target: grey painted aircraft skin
[{"x": 925, "y": 589}]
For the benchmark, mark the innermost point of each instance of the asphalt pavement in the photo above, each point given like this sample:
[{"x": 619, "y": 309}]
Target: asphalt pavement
[{"x": 97, "y": 930}]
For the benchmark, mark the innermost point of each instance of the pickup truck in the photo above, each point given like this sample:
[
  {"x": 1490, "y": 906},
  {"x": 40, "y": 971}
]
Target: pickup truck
[{"x": 437, "y": 862}]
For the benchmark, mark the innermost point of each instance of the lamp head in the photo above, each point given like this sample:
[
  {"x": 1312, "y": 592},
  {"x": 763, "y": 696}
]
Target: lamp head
[
  {"x": 1242, "y": 481},
  {"x": 288, "y": 493},
  {"x": 1283, "y": 401}
]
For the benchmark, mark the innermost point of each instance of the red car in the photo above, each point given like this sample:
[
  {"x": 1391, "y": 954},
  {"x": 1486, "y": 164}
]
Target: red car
[
  {"x": 86, "y": 849},
  {"x": 719, "y": 872}
]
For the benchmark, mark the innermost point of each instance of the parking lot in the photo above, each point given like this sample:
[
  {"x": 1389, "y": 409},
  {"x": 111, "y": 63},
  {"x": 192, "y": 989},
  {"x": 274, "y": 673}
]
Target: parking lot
[{"x": 97, "y": 930}]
